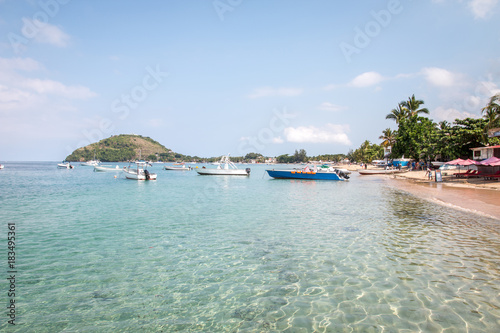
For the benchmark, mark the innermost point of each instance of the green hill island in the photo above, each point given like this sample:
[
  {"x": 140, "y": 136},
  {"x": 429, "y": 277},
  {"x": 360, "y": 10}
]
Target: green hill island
[{"x": 125, "y": 147}]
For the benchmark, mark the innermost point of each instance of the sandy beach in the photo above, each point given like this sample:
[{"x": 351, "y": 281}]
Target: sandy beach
[{"x": 476, "y": 195}]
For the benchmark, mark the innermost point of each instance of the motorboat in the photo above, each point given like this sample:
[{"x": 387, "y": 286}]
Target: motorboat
[
  {"x": 106, "y": 168},
  {"x": 1, "y": 166},
  {"x": 93, "y": 162},
  {"x": 90, "y": 163},
  {"x": 65, "y": 165},
  {"x": 387, "y": 171},
  {"x": 225, "y": 167},
  {"x": 177, "y": 168},
  {"x": 140, "y": 171},
  {"x": 322, "y": 173},
  {"x": 401, "y": 161}
]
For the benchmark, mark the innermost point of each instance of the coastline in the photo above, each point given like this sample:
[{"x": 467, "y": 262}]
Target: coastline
[{"x": 477, "y": 196}]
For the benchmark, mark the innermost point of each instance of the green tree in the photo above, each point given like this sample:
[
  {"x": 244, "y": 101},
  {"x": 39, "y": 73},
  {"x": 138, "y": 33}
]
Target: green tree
[
  {"x": 412, "y": 106},
  {"x": 415, "y": 138},
  {"x": 389, "y": 137},
  {"x": 397, "y": 114}
]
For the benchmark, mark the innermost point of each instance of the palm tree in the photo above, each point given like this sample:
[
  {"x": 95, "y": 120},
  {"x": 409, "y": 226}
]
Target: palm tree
[
  {"x": 389, "y": 137},
  {"x": 491, "y": 112},
  {"x": 412, "y": 106},
  {"x": 398, "y": 113}
]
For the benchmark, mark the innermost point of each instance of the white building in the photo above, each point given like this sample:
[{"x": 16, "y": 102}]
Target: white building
[{"x": 482, "y": 153}]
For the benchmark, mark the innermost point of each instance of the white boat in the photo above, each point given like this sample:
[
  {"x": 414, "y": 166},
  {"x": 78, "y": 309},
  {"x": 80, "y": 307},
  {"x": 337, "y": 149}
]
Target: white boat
[
  {"x": 93, "y": 162},
  {"x": 106, "y": 168},
  {"x": 65, "y": 165},
  {"x": 226, "y": 168},
  {"x": 1, "y": 166},
  {"x": 139, "y": 172},
  {"x": 90, "y": 163},
  {"x": 437, "y": 164},
  {"x": 381, "y": 171},
  {"x": 177, "y": 168}
]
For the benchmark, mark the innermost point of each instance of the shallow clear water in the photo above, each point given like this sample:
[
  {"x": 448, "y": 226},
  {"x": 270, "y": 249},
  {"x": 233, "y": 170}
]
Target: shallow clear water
[{"x": 194, "y": 253}]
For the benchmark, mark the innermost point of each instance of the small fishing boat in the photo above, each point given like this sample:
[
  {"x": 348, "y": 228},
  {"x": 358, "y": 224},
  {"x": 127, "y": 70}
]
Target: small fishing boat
[
  {"x": 1, "y": 166},
  {"x": 306, "y": 173},
  {"x": 106, "y": 168},
  {"x": 225, "y": 168},
  {"x": 140, "y": 172},
  {"x": 93, "y": 162},
  {"x": 380, "y": 171},
  {"x": 65, "y": 165},
  {"x": 401, "y": 161},
  {"x": 177, "y": 167}
]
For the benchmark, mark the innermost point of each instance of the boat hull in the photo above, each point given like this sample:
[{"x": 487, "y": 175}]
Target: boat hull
[
  {"x": 292, "y": 174},
  {"x": 222, "y": 172},
  {"x": 106, "y": 169},
  {"x": 140, "y": 176},
  {"x": 380, "y": 172},
  {"x": 176, "y": 168}
]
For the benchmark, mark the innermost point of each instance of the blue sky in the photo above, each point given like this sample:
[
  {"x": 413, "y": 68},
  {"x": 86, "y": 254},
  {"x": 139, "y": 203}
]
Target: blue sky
[{"x": 213, "y": 77}]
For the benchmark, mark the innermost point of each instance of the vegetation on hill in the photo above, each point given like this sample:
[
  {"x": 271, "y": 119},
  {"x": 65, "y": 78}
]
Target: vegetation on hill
[{"x": 120, "y": 148}]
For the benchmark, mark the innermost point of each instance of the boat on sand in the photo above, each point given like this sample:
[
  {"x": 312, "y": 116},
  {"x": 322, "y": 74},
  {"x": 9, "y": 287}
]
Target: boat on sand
[
  {"x": 380, "y": 171},
  {"x": 224, "y": 168}
]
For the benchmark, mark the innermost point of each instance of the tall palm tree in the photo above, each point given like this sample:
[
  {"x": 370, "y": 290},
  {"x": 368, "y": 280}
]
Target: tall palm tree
[
  {"x": 491, "y": 112},
  {"x": 389, "y": 137},
  {"x": 398, "y": 113},
  {"x": 413, "y": 105}
]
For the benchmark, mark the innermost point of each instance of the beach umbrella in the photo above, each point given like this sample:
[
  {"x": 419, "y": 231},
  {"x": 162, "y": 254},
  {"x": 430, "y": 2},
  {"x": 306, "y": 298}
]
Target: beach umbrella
[
  {"x": 458, "y": 161},
  {"x": 468, "y": 162},
  {"x": 492, "y": 161}
]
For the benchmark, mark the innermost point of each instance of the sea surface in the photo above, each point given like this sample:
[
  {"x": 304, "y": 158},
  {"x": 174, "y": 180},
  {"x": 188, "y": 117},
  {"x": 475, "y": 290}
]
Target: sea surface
[{"x": 190, "y": 253}]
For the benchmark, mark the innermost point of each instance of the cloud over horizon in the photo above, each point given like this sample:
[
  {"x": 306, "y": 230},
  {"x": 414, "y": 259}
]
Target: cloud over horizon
[{"x": 330, "y": 133}]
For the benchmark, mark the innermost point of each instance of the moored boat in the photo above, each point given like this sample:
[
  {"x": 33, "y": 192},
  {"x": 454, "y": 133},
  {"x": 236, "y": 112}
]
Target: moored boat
[
  {"x": 65, "y": 165},
  {"x": 177, "y": 167},
  {"x": 1, "y": 166},
  {"x": 225, "y": 168},
  {"x": 140, "y": 172},
  {"x": 306, "y": 173},
  {"x": 106, "y": 168}
]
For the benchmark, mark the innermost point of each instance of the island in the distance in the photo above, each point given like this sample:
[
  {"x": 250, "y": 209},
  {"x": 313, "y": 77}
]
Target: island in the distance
[{"x": 126, "y": 147}]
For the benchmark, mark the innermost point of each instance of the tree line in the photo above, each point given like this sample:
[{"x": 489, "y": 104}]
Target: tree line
[{"x": 420, "y": 138}]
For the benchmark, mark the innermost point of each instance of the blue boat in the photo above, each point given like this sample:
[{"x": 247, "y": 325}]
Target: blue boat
[
  {"x": 401, "y": 161},
  {"x": 311, "y": 175}
]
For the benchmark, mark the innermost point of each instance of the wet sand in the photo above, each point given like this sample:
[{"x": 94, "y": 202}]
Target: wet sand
[{"x": 475, "y": 195}]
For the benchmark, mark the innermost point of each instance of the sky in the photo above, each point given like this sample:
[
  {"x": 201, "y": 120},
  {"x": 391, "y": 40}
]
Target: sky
[{"x": 212, "y": 77}]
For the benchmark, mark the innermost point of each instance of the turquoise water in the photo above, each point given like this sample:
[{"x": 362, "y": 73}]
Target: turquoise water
[{"x": 194, "y": 253}]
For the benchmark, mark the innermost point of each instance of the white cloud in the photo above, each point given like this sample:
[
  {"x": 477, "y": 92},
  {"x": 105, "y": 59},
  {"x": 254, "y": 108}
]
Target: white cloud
[
  {"x": 45, "y": 33},
  {"x": 366, "y": 79},
  {"x": 278, "y": 140},
  {"x": 330, "y": 133},
  {"x": 450, "y": 114},
  {"x": 56, "y": 88},
  {"x": 269, "y": 91},
  {"x": 482, "y": 8},
  {"x": 326, "y": 106},
  {"x": 440, "y": 77}
]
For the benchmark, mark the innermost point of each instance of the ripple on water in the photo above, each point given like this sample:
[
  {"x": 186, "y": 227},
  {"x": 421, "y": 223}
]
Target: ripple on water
[{"x": 199, "y": 254}]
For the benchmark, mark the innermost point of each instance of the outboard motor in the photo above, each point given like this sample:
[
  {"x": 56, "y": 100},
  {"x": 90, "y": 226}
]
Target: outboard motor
[
  {"x": 248, "y": 171},
  {"x": 146, "y": 173}
]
